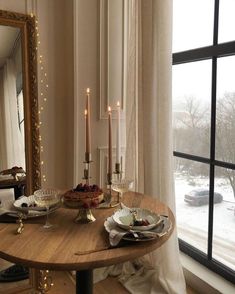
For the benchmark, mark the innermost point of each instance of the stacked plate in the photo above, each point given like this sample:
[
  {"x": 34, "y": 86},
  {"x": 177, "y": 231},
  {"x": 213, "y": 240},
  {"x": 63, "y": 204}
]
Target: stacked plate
[
  {"x": 136, "y": 224},
  {"x": 136, "y": 219}
]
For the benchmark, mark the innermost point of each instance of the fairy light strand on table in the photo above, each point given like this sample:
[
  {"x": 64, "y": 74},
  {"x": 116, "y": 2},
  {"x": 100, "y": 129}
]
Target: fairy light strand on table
[{"x": 43, "y": 87}]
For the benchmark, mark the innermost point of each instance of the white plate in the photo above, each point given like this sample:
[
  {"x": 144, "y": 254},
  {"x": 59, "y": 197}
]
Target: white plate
[
  {"x": 36, "y": 213},
  {"x": 108, "y": 227},
  {"x": 30, "y": 201},
  {"x": 161, "y": 230},
  {"x": 32, "y": 211},
  {"x": 124, "y": 218}
]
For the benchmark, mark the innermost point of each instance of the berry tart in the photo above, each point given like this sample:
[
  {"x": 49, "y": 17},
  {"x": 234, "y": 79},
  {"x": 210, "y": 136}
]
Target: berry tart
[{"x": 83, "y": 196}]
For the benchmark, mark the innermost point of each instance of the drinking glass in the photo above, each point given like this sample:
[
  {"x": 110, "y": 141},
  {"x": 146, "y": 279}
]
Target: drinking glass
[
  {"x": 121, "y": 186},
  {"x": 46, "y": 198}
]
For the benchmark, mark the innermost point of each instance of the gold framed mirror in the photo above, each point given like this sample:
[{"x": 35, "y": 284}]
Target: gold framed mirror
[{"x": 18, "y": 68}]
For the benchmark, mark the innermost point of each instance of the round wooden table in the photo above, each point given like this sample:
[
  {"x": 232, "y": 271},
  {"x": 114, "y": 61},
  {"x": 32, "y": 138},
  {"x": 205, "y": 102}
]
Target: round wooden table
[{"x": 79, "y": 247}]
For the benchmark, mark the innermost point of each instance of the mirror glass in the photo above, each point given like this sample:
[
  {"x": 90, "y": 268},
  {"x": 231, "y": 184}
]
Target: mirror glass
[
  {"x": 19, "y": 126},
  {"x": 12, "y": 147}
]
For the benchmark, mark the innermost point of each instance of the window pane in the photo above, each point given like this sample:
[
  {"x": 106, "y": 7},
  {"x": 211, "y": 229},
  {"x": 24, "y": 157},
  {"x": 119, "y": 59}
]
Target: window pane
[
  {"x": 191, "y": 107},
  {"x": 192, "y": 24},
  {"x": 225, "y": 123},
  {"x": 226, "y": 21},
  {"x": 224, "y": 218},
  {"x": 191, "y": 192}
]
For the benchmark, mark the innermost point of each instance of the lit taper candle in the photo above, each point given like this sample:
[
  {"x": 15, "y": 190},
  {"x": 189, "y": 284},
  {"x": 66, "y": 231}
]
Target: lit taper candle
[
  {"x": 118, "y": 134},
  {"x": 88, "y": 126}
]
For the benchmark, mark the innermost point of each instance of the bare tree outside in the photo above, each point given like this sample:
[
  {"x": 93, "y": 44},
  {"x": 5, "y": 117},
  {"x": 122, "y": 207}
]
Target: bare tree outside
[
  {"x": 192, "y": 130},
  {"x": 192, "y": 134},
  {"x": 225, "y": 135}
]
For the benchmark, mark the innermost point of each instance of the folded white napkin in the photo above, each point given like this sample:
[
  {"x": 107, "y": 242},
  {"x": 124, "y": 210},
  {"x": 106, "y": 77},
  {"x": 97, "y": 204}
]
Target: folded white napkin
[
  {"x": 116, "y": 233},
  {"x": 6, "y": 196},
  {"x": 9, "y": 212}
]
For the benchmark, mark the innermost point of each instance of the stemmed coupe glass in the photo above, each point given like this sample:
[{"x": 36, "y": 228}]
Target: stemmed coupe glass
[
  {"x": 121, "y": 186},
  {"x": 47, "y": 198}
]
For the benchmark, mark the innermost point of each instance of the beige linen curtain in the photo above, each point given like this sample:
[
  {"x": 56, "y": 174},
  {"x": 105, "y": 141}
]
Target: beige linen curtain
[
  {"x": 149, "y": 133},
  {"x": 149, "y": 153}
]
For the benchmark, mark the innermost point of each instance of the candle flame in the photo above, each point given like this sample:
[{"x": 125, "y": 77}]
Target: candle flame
[
  {"x": 118, "y": 104},
  {"x": 109, "y": 109},
  {"x": 85, "y": 112},
  {"x": 88, "y": 90}
]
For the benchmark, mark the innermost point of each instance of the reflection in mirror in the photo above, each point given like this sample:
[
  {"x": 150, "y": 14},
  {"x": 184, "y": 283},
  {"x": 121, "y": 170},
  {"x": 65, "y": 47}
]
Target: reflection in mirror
[
  {"x": 12, "y": 150},
  {"x": 19, "y": 127},
  {"x": 12, "y": 146}
]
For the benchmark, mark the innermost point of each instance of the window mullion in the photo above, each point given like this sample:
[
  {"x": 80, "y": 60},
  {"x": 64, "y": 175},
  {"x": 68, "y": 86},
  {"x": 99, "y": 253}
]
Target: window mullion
[
  {"x": 212, "y": 157},
  {"x": 213, "y": 134},
  {"x": 216, "y": 23}
]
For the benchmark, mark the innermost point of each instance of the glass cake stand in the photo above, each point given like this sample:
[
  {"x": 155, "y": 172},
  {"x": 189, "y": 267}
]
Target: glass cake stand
[{"x": 84, "y": 207}]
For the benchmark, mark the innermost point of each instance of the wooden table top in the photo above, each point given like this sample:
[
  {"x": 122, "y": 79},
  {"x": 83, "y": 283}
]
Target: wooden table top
[{"x": 68, "y": 246}]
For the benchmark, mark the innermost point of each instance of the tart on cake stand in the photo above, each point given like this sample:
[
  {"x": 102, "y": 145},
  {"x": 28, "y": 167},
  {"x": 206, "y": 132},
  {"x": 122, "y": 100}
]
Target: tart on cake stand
[{"x": 84, "y": 198}]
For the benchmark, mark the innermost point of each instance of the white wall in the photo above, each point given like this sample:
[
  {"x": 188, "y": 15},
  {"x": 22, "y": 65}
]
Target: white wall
[
  {"x": 57, "y": 37},
  {"x": 87, "y": 74}
]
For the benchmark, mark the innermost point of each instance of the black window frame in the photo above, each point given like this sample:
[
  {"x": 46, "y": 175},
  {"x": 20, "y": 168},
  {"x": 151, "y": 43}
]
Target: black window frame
[{"x": 212, "y": 52}]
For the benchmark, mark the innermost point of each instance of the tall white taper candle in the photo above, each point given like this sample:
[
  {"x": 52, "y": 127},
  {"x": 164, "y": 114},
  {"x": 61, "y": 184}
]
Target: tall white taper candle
[{"x": 118, "y": 134}]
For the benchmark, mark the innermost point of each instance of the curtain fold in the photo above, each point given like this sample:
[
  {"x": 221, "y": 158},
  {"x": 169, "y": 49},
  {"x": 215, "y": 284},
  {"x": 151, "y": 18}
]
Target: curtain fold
[
  {"x": 15, "y": 152},
  {"x": 149, "y": 97},
  {"x": 149, "y": 154}
]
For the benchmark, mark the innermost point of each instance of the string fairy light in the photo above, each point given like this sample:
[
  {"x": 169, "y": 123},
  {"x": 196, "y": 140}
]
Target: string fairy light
[
  {"x": 45, "y": 281},
  {"x": 43, "y": 94}
]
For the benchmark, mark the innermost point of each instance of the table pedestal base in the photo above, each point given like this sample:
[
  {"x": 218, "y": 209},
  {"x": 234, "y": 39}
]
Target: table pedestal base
[{"x": 84, "y": 282}]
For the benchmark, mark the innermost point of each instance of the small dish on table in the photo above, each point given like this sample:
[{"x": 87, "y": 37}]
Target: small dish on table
[
  {"x": 136, "y": 219},
  {"x": 118, "y": 232},
  {"x": 26, "y": 204}
]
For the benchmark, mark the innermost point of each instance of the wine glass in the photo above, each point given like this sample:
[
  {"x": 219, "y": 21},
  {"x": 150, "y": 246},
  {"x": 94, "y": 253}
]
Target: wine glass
[
  {"x": 121, "y": 186},
  {"x": 46, "y": 198}
]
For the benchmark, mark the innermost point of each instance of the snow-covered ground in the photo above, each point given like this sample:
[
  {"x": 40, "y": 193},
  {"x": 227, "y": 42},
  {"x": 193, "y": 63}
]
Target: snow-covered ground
[{"x": 192, "y": 221}]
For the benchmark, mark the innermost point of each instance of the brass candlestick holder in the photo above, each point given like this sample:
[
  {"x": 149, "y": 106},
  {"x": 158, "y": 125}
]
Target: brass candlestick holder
[
  {"x": 109, "y": 187},
  {"x": 109, "y": 196},
  {"x": 87, "y": 163},
  {"x": 118, "y": 174},
  {"x": 85, "y": 215}
]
